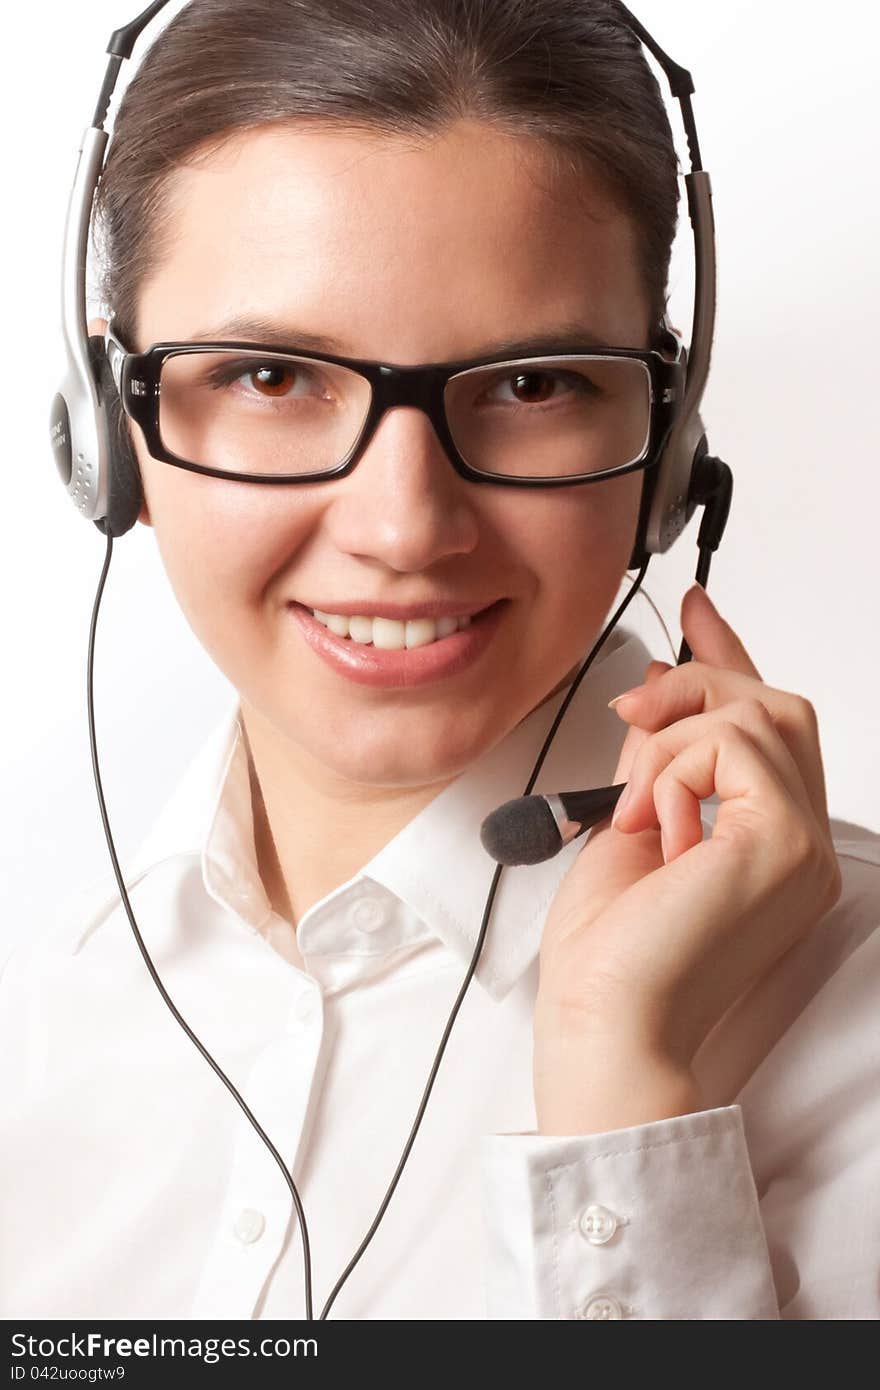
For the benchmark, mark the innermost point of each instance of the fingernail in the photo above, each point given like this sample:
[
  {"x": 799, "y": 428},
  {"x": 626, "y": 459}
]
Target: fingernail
[
  {"x": 699, "y": 588},
  {"x": 636, "y": 690},
  {"x": 625, "y": 798}
]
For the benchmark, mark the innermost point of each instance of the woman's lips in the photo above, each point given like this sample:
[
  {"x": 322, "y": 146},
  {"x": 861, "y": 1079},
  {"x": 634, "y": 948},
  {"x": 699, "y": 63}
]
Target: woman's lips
[{"x": 368, "y": 665}]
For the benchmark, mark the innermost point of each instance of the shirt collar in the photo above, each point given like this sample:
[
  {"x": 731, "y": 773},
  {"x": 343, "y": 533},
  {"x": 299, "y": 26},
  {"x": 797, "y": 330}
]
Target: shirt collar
[{"x": 435, "y": 865}]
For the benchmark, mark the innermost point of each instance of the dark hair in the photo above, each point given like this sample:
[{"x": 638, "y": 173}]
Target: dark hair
[{"x": 565, "y": 72}]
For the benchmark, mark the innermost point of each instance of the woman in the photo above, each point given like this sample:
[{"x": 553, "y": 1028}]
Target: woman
[{"x": 655, "y": 1101}]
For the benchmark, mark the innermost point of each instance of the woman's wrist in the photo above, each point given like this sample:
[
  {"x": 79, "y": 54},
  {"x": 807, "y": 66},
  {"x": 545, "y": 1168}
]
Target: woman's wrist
[{"x": 601, "y": 1083}]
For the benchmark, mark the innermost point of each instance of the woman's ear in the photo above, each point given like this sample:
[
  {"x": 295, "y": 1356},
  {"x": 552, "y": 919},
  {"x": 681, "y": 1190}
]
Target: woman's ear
[{"x": 96, "y": 329}]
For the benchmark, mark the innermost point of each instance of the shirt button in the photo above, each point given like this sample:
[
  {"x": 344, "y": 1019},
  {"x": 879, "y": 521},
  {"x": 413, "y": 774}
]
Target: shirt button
[
  {"x": 601, "y": 1305},
  {"x": 597, "y": 1224},
  {"x": 367, "y": 914},
  {"x": 305, "y": 1006},
  {"x": 249, "y": 1225}
]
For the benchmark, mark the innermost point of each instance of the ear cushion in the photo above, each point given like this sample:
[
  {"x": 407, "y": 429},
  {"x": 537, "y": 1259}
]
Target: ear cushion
[{"x": 125, "y": 494}]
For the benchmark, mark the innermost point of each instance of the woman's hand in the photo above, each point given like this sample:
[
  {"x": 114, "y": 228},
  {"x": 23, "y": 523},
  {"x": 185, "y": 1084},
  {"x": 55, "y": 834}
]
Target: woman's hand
[{"x": 654, "y": 932}]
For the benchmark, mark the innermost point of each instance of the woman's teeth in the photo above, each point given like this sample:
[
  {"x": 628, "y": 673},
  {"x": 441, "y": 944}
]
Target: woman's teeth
[{"x": 390, "y": 634}]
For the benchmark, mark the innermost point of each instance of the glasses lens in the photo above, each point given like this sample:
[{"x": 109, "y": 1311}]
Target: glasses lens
[
  {"x": 551, "y": 417},
  {"x": 270, "y": 413}
]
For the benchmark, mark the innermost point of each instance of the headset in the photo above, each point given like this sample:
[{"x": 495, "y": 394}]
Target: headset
[{"x": 96, "y": 460}]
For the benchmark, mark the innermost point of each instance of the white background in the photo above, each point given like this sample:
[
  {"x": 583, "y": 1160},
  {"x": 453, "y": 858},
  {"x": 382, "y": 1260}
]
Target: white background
[{"x": 786, "y": 113}]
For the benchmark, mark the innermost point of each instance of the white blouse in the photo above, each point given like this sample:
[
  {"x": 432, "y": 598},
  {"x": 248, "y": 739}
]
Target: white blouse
[{"x": 133, "y": 1186}]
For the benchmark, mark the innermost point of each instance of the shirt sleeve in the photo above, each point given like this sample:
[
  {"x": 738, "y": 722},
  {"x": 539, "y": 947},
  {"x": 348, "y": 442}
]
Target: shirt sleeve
[{"x": 656, "y": 1221}]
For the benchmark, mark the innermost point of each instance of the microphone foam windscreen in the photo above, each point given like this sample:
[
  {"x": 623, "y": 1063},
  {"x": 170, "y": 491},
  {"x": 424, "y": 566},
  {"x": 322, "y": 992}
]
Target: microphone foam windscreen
[{"x": 521, "y": 831}]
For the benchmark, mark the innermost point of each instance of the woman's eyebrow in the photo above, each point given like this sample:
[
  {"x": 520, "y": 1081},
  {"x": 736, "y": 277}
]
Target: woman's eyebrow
[{"x": 565, "y": 337}]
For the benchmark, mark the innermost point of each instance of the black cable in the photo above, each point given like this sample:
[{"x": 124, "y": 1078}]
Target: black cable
[
  {"x": 712, "y": 488},
  {"x": 702, "y": 577},
  {"x": 152, "y": 969}
]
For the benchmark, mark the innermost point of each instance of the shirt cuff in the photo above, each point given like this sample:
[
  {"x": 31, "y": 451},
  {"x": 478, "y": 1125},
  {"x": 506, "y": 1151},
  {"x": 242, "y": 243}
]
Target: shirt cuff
[{"x": 657, "y": 1221}]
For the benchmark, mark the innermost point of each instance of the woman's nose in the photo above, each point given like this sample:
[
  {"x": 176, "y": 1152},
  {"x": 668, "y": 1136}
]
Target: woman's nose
[{"x": 404, "y": 503}]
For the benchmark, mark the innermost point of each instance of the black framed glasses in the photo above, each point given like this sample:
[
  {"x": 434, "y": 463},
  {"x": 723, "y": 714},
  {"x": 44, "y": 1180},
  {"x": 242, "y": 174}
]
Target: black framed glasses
[{"x": 258, "y": 414}]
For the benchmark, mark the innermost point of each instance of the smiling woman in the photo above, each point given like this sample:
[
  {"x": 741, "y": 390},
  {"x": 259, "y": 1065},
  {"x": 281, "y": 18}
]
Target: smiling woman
[
  {"x": 385, "y": 288},
  {"x": 484, "y": 242}
]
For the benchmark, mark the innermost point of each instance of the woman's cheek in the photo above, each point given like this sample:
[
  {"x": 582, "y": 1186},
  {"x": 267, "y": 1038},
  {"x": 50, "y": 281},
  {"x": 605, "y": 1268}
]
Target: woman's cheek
[
  {"x": 583, "y": 571},
  {"x": 219, "y": 540}
]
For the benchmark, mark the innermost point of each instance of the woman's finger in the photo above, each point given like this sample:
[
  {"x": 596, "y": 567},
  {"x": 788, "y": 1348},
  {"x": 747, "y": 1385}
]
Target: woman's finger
[
  {"x": 757, "y": 814},
  {"x": 636, "y": 736},
  {"x": 640, "y": 810},
  {"x": 710, "y": 637},
  {"x": 694, "y": 689}
]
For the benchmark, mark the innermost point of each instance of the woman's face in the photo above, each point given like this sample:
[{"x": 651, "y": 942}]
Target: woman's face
[{"x": 407, "y": 253}]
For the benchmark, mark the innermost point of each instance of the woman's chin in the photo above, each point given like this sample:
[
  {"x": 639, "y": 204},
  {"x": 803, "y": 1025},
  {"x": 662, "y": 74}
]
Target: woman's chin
[
  {"x": 397, "y": 756},
  {"x": 397, "y": 771}
]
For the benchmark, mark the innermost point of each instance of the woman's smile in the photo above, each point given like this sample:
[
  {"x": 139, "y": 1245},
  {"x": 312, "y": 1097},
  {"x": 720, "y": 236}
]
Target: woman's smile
[{"x": 379, "y": 654}]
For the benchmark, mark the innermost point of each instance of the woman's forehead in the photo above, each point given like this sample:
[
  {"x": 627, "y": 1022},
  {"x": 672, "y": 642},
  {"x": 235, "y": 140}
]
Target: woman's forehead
[{"x": 471, "y": 232}]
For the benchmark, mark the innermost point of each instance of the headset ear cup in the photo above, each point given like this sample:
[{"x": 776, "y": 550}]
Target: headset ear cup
[
  {"x": 654, "y": 479},
  {"x": 125, "y": 494},
  {"x": 670, "y": 493}
]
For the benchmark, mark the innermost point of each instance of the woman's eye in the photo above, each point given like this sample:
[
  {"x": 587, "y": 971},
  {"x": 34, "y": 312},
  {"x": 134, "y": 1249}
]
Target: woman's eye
[
  {"x": 275, "y": 380},
  {"x": 270, "y": 380},
  {"x": 542, "y": 387}
]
